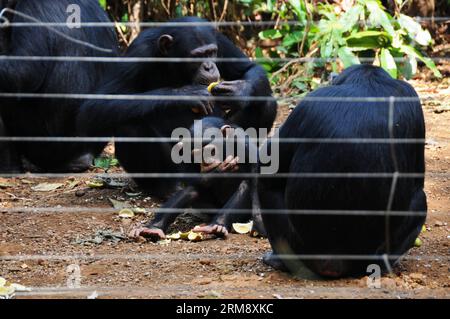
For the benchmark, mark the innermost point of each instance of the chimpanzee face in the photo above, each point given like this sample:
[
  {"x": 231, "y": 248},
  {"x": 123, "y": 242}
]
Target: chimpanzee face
[{"x": 192, "y": 42}]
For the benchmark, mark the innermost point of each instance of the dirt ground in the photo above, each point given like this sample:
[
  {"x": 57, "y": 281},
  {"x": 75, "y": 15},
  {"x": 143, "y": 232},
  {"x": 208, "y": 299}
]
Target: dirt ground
[{"x": 48, "y": 251}]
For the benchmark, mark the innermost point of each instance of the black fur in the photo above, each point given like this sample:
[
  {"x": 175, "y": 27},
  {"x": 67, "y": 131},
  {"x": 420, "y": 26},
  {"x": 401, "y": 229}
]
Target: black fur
[
  {"x": 158, "y": 118},
  {"x": 337, "y": 234},
  {"x": 50, "y": 117}
]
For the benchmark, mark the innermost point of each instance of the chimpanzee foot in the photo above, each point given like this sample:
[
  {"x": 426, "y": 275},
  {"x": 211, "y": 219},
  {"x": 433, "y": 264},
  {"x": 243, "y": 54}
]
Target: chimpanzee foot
[
  {"x": 274, "y": 261},
  {"x": 153, "y": 233},
  {"x": 214, "y": 229},
  {"x": 329, "y": 268},
  {"x": 258, "y": 229}
]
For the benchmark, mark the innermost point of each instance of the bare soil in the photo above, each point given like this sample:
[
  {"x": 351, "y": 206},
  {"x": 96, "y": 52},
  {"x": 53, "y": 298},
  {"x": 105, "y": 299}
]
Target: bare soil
[{"x": 230, "y": 268}]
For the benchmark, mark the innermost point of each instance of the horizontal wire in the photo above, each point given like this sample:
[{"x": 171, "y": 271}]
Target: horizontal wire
[
  {"x": 186, "y": 289},
  {"x": 196, "y": 139},
  {"x": 185, "y": 23},
  {"x": 78, "y": 209},
  {"x": 181, "y": 59},
  {"x": 141, "y": 97},
  {"x": 197, "y": 256},
  {"x": 227, "y": 175}
]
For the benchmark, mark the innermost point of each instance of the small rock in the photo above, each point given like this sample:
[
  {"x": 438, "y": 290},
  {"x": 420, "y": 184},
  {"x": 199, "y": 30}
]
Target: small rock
[
  {"x": 80, "y": 193},
  {"x": 418, "y": 278},
  {"x": 438, "y": 223},
  {"x": 388, "y": 283},
  {"x": 202, "y": 281},
  {"x": 140, "y": 239}
]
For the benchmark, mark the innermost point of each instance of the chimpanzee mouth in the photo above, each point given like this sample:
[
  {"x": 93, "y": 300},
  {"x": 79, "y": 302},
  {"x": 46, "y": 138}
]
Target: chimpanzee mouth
[{"x": 202, "y": 80}]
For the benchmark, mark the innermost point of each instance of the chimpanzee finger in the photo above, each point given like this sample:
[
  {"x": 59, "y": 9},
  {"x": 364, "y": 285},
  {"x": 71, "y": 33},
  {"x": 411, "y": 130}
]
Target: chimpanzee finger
[
  {"x": 153, "y": 233},
  {"x": 215, "y": 229},
  {"x": 223, "y": 165},
  {"x": 203, "y": 107},
  {"x": 135, "y": 232},
  {"x": 210, "y": 107},
  {"x": 208, "y": 167},
  {"x": 224, "y": 90}
]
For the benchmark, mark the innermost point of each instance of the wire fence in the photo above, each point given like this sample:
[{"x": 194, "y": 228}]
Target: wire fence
[
  {"x": 181, "y": 24},
  {"x": 392, "y": 141}
]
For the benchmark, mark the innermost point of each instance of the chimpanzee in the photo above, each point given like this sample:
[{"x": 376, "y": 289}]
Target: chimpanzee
[
  {"x": 217, "y": 153},
  {"x": 143, "y": 116},
  {"x": 371, "y": 219},
  {"x": 49, "y": 117},
  {"x": 364, "y": 234}
]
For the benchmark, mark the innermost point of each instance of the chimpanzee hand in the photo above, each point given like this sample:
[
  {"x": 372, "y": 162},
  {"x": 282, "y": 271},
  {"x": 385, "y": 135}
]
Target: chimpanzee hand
[
  {"x": 214, "y": 229},
  {"x": 238, "y": 89},
  {"x": 153, "y": 233},
  {"x": 197, "y": 104}
]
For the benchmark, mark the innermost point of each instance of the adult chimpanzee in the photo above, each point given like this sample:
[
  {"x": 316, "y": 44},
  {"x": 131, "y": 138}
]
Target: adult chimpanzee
[
  {"x": 49, "y": 117},
  {"x": 143, "y": 116},
  {"x": 220, "y": 154},
  {"x": 361, "y": 217},
  {"x": 366, "y": 234}
]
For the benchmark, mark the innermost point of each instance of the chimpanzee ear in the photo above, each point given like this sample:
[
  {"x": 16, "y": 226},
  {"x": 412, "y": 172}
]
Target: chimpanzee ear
[{"x": 164, "y": 43}]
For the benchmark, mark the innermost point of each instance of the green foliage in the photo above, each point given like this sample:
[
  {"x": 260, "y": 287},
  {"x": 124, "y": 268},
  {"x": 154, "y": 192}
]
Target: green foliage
[
  {"x": 335, "y": 34},
  {"x": 105, "y": 162},
  {"x": 340, "y": 34},
  {"x": 102, "y": 4}
]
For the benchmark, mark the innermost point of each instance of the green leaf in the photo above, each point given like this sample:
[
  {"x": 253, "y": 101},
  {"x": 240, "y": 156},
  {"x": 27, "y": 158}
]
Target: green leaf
[
  {"x": 350, "y": 18},
  {"x": 292, "y": 38},
  {"x": 102, "y": 4},
  {"x": 270, "y": 34},
  {"x": 415, "y": 30},
  {"x": 409, "y": 68},
  {"x": 259, "y": 53},
  {"x": 347, "y": 57},
  {"x": 409, "y": 50},
  {"x": 368, "y": 39},
  {"x": 378, "y": 17},
  {"x": 105, "y": 162},
  {"x": 326, "y": 49},
  {"x": 388, "y": 63}
]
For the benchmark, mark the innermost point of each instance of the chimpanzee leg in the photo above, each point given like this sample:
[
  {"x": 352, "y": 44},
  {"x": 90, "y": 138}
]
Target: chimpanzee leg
[
  {"x": 403, "y": 239},
  {"x": 244, "y": 198},
  {"x": 278, "y": 226},
  {"x": 142, "y": 157},
  {"x": 157, "y": 228}
]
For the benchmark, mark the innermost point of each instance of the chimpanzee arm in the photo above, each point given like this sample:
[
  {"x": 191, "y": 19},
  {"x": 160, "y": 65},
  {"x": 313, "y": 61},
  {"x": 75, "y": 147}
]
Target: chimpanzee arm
[
  {"x": 180, "y": 199},
  {"x": 245, "y": 79},
  {"x": 99, "y": 117},
  {"x": 245, "y": 198},
  {"x": 245, "y": 70}
]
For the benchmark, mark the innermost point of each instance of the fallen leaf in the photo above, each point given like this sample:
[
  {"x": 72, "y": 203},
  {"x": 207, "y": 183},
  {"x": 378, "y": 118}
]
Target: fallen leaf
[
  {"x": 6, "y": 292},
  {"x": 46, "y": 187},
  {"x": 117, "y": 204},
  {"x": 72, "y": 184},
  {"x": 95, "y": 183},
  {"x": 4, "y": 183}
]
